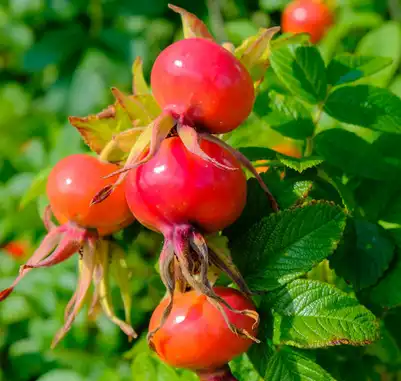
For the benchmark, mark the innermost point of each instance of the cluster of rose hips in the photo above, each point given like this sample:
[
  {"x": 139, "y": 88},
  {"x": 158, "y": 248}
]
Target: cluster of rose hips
[{"x": 180, "y": 180}]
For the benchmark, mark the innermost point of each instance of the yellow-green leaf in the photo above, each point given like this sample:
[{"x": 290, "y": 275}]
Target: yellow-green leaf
[
  {"x": 142, "y": 109},
  {"x": 254, "y": 52},
  {"x": 97, "y": 130},
  {"x": 139, "y": 85}
]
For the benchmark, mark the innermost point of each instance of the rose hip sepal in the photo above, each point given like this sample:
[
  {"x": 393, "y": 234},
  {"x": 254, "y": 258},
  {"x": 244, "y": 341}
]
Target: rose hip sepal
[
  {"x": 70, "y": 187},
  {"x": 197, "y": 336}
]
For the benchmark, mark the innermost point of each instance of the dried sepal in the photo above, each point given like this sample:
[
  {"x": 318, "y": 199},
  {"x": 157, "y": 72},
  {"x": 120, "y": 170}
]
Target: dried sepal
[
  {"x": 145, "y": 147},
  {"x": 220, "y": 257},
  {"x": 254, "y": 53},
  {"x": 46, "y": 247},
  {"x": 139, "y": 85},
  {"x": 167, "y": 274},
  {"x": 103, "y": 257},
  {"x": 190, "y": 250},
  {"x": 141, "y": 109},
  {"x": 84, "y": 282},
  {"x": 192, "y": 26},
  {"x": 190, "y": 139},
  {"x": 229, "y": 46},
  {"x": 98, "y": 129}
]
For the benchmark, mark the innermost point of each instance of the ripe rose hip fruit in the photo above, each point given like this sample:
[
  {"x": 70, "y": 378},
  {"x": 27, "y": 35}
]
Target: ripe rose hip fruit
[
  {"x": 71, "y": 185},
  {"x": 203, "y": 83},
  {"x": 177, "y": 187},
  {"x": 196, "y": 336},
  {"x": 182, "y": 196},
  {"x": 307, "y": 16}
]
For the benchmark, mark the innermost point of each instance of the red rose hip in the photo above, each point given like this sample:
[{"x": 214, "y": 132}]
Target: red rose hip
[
  {"x": 178, "y": 187},
  {"x": 198, "y": 79},
  {"x": 72, "y": 184},
  {"x": 196, "y": 336},
  {"x": 307, "y": 16}
]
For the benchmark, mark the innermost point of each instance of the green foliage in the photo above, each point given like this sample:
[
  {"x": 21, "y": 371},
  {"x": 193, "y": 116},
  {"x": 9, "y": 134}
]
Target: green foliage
[
  {"x": 327, "y": 122},
  {"x": 350, "y": 68},
  {"x": 302, "y": 70},
  {"x": 322, "y": 316},
  {"x": 289, "y": 117},
  {"x": 290, "y": 365},
  {"x": 366, "y": 106},
  {"x": 284, "y": 246}
]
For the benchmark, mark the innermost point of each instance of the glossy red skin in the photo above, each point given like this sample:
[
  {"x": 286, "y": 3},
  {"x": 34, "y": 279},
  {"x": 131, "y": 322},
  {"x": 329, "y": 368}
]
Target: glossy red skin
[
  {"x": 203, "y": 81},
  {"x": 72, "y": 184},
  {"x": 195, "y": 335},
  {"x": 178, "y": 187},
  {"x": 307, "y": 16}
]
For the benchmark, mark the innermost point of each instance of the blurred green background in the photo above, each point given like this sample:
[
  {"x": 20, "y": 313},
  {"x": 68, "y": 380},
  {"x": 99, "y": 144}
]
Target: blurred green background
[{"x": 60, "y": 58}]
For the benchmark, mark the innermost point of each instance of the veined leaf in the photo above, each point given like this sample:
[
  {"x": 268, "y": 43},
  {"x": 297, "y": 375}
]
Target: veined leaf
[
  {"x": 350, "y": 68},
  {"x": 366, "y": 106},
  {"x": 312, "y": 314},
  {"x": 291, "y": 365},
  {"x": 285, "y": 245},
  {"x": 302, "y": 70}
]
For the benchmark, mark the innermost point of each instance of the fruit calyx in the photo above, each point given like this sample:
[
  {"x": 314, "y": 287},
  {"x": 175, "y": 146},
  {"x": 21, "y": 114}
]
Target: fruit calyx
[
  {"x": 222, "y": 374},
  {"x": 96, "y": 253},
  {"x": 185, "y": 263}
]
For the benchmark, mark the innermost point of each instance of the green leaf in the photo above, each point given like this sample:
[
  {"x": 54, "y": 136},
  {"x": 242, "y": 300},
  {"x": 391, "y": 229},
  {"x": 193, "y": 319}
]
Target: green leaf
[
  {"x": 289, "y": 117},
  {"x": 387, "y": 293},
  {"x": 256, "y": 207},
  {"x": 384, "y": 42},
  {"x": 350, "y": 68},
  {"x": 255, "y": 132},
  {"x": 288, "y": 191},
  {"x": 148, "y": 367},
  {"x": 36, "y": 189},
  {"x": 366, "y": 106},
  {"x": 302, "y": 70},
  {"x": 261, "y": 353},
  {"x": 243, "y": 369},
  {"x": 302, "y": 164},
  {"x": 285, "y": 245},
  {"x": 364, "y": 255},
  {"x": 378, "y": 198},
  {"x": 290, "y": 365},
  {"x": 354, "y": 155},
  {"x": 313, "y": 314}
]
